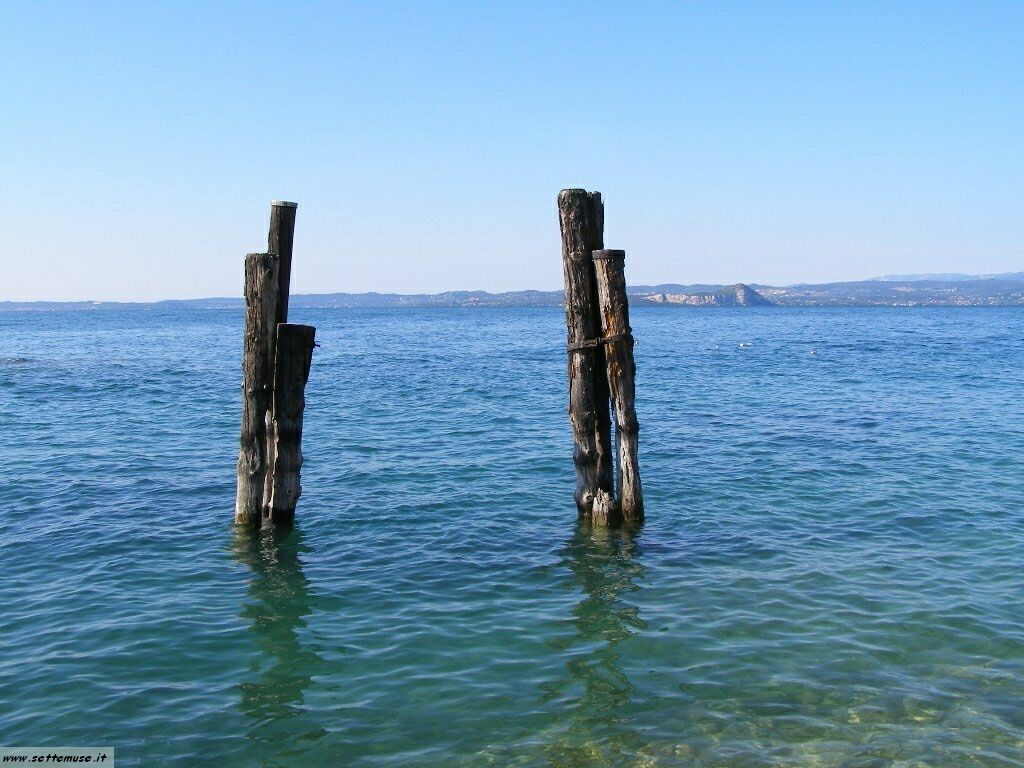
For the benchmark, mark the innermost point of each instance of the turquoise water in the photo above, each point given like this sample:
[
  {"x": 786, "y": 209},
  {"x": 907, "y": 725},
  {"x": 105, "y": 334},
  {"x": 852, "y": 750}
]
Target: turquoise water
[{"x": 830, "y": 574}]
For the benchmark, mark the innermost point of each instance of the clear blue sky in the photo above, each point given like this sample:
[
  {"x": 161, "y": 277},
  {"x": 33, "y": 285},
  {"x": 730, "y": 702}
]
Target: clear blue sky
[{"x": 425, "y": 142}]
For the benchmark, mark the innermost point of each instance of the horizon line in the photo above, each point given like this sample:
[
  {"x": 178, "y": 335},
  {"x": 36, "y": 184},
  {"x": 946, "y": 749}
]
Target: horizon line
[{"x": 910, "y": 277}]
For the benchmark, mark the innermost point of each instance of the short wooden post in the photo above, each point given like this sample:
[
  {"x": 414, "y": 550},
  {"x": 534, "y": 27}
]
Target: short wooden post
[
  {"x": 279, "y": 241},
  {"x": 581, "y": 219},
  {"x": 609, "y": 266},
  {"x": 261, "y": 273},
  {"x": 294, "y": 350}
]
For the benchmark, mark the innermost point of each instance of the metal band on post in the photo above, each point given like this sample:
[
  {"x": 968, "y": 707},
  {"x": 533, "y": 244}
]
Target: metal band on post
[{"x": 598, "y": 342}]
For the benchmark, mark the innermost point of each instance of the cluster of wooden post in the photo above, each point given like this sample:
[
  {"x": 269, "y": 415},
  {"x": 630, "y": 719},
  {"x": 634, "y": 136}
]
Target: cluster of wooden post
[
  {"x": 601, "y": 366},
  {"x": 275, "y": 367}
]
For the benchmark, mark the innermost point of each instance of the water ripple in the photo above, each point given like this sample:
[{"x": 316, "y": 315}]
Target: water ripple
[{"x": 829, "y": 575}]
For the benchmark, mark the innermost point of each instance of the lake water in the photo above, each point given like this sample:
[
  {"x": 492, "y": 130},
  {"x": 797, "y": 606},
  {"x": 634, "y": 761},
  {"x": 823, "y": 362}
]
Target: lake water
[{"x": 830, "y": 574}]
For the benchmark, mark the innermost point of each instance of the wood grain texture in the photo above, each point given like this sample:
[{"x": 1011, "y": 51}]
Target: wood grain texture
[
  {"x": 605, "y": 452},
  {"x": 605, "y": 511},
  {"x": 581, "y": 220},
  {"x": 261, "y": 283},
  {"x": 294, "y": 350},
  {"x": 609, "y": 266},
  {"x": 279, "y": 241}
]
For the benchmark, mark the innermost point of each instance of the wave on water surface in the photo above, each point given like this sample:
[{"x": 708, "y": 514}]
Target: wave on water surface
[{"x": 829, "y": 575}]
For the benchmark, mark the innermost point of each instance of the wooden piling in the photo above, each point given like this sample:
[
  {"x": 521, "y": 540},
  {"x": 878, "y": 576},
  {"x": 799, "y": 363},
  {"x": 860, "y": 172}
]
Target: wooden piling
[
  {"x": 609, "y": 266},
  {"x": 279, "y": 241},
  {"x": 261, "y": 297},
  {"x": 294, "y": 353},
  {"x": 581, "y": 219},
  {"x": 601, "y": 392}
]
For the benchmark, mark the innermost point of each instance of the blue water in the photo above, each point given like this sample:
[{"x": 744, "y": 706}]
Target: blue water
[{"x": 830, "y": 574}]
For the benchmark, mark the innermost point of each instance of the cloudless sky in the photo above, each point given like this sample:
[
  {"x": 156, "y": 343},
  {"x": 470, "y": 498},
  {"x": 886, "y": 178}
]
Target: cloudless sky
[{"x": 426, "y": 142}]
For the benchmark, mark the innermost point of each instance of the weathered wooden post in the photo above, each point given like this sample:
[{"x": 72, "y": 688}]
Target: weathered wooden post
[
  {"x": 279, "y": 241},
  {"x": 581, "y": 219},
  {"x": 294, "y": 353},
  {"x": 617, "y": 335},
  {"x": 275, "y": 367},
  {"x": 261, "y": 296}
]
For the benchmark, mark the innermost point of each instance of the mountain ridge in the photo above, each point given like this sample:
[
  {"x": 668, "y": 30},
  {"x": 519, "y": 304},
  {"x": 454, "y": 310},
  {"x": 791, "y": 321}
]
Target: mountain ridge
[
  {"x": 948, "y": 277},
  {"x": 1005, "y": 289}
]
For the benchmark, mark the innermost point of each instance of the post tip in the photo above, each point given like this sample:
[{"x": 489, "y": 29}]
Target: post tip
[
  {"x": 578, "y": 192},
  {"x": 284, "y": 203}
]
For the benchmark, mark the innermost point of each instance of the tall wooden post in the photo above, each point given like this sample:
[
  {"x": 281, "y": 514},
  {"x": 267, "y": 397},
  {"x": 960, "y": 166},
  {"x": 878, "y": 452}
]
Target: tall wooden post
[
  {"x": 581, "y": 219},
  {"x": 601, "y": 392},
  {"x": 279, "y": 241},
  {"x": 610, "y": 269},
  {"x": 261, "y": 296},
  {"x": 275, "y": 367},
  {"x": 284, "y": 430}
]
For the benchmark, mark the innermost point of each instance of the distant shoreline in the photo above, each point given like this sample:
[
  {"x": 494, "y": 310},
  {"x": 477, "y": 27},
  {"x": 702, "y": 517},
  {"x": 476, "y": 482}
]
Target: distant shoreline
[{"x": 1005, "y": 290}]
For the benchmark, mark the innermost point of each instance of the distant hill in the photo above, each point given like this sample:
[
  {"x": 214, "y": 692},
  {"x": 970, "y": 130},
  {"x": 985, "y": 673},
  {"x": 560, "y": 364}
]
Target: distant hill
[
  {"x": 910, "y": 291},
  {"x": 668, "y": 293},
  {"x": 973, "y": 292},
  {"x": 946, "y": 277},
  {"x": 739, "y": 295}
]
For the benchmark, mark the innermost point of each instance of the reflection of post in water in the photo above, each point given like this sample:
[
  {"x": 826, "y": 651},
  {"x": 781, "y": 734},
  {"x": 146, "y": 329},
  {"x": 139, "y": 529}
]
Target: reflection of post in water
[
  {"x": 605, "y": 565},
  {"x": 279, "y": 603}
]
